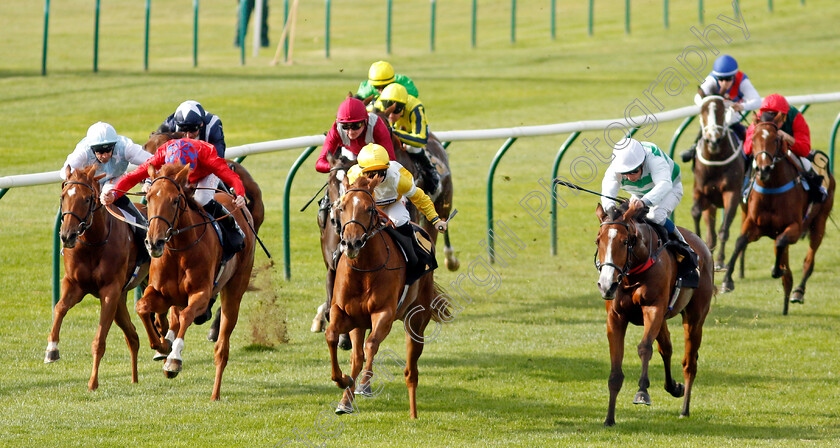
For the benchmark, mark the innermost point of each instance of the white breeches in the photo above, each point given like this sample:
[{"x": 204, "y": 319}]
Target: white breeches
[
  {"x": 663, "y": 210},
  {"x": 206, "y": 189},
  {"x": 397, "y": 212}
]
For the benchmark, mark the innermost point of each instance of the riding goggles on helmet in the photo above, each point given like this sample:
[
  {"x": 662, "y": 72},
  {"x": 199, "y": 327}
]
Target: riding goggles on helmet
[
  {"x": 103, "y": 148},
  {"x": 354, "y": 125},
  {"x": 187, "y": 127},
  {"x": 398, "y": 107}
]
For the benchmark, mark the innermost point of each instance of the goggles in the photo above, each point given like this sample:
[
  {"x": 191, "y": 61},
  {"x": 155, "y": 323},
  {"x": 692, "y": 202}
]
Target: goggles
[
  {"x": 356, "y": 125},
  {"x": 187, "y": 127},
  {"x": 398, "y": 107},
  {"x": 103, "y": 148},
  {"x": 636, "y": 171},
  {"x": 726, "y": 78}
]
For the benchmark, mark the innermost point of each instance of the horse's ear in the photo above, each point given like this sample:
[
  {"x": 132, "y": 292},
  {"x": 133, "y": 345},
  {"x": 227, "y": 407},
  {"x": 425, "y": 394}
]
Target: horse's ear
[
  {"x": 374, "y": 182},
  {"x": 152, "y": 171},
  {"x": 369, "y": 99},
  {"x": 96, "y": 178},
  {"x": 701, "y": 92},
  {"x": 779, "y": 120},
  {"x": 183, "y": 174},
  {"x": 600, "y": 213},
  {"x": 345, "y": 182}
]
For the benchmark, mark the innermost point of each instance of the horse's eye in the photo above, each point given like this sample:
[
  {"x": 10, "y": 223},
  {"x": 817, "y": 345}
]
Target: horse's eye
[{"x": 626, "y": 242}]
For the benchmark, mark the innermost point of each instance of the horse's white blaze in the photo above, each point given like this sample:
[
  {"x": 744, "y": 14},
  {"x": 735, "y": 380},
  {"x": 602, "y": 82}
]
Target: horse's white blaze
[
  {"x": 159, "y": 193},
  {"x": 607, "y": 272},
  {"x": 71, "y": 192},
  {"x": 177, "y": 348},
  {"x": 765, "y": 133}
]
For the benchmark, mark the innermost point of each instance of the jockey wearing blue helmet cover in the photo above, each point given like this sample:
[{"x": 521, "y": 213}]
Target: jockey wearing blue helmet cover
[{"x": 192, "y": 119}]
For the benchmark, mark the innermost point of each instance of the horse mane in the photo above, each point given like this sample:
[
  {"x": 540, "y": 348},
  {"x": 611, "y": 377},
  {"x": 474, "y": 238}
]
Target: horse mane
[
  {"x": 367, "y": 183},
  {"x": 617, "y": 212},
  {"x": 172, "y": 170}
]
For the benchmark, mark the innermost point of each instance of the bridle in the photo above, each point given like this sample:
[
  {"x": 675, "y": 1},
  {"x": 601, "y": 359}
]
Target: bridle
[
  {"x": 723, "y": 132},
  {"x": 86, "y": 222},
  {"x": 171, "y": 231},
  {"x": 373, "y": 228},
  {"x": 774, "y": 157},
  {"x": 627, "y": 270}
]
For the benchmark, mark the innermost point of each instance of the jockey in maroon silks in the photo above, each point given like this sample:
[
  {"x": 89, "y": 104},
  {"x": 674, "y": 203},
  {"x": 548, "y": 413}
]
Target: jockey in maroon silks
[
  {"x": 354, "y": 127},
  {"x": 206, "y": 170},
  {"x": 795, "y": 132}
]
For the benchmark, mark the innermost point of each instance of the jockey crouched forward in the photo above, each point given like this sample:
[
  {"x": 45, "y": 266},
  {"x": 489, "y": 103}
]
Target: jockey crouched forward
[
  {"x": 397, "y": 183},
  {"x": 205, "y": 166},
  {"x": 654, "y": 181}
]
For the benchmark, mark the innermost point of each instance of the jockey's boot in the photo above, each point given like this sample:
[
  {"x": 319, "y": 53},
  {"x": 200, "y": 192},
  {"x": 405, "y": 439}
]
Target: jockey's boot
[
  {"x": 407, "y": 243},
  {"x": 323, "y": 211},
  {"x": 139, "y": 233},
  {"x": 235, "y": 238},
  {"x": 816, "y": 192},
  {"x": 688, "y": 154},
  {"x": 431, "y": 178}
]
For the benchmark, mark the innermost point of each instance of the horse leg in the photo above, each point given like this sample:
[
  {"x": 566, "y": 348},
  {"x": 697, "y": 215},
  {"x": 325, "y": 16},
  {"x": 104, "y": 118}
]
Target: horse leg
[
  {"x": 749, "y": 233},
  {"x": 450, "y": 260},
  {"x": 616, "y": 329},
  {"x": 693, "y": 329},
  {"x": 413, "y": 349},
  {"x": 339, "y": 323},
  {"x": 221, "y": 353},
  {"x": 730, "y": 206},
  {"x": 151, "y": 303},
  {"x": 815, "y": 239},
  {"x": 71, "y": 295},
  {"x": 666, "y": 350},
  {"x": 709, "y": 216},
  {"x": 357, "y": 360},
  {"x": 654, "y": 320},
  {"x": 320, "y": 321},
  {"x": 110, "y": 294},
  {"x": 787, "y": 277},
  {"x": 213, "y": 332},
  {"x": 167, "y": 325},
  {"x": 380, "y": 327},
  {"x": 696, "y": 212},
  {"x": 197, "y": 301},
  {"x": 123, "y": 320}
]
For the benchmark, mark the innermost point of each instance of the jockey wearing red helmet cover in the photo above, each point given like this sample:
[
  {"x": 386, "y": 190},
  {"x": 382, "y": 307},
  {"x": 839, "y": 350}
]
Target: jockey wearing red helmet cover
[
  {"x": 200, "y": 156},
  {"x": 794, "y": 125},
  {"x": 373, "y": 130}
]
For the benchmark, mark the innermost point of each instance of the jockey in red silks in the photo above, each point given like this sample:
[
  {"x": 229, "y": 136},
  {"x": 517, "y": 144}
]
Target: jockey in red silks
[
  {"x": 206, "y": 170},
  {"x": 354, "y": 127},
  {"x": 795, "y": 132}
]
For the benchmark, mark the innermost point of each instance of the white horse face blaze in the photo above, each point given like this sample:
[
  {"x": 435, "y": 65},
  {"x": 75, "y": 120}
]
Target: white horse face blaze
[{"x": 605, "y": 280}]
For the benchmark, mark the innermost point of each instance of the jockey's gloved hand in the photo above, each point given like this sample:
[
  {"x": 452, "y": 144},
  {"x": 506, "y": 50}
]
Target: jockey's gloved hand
[
  {"x": 106, "y": 198},
  {"x": 239, "y": 202},
  {"x": 441, "y": 226}
]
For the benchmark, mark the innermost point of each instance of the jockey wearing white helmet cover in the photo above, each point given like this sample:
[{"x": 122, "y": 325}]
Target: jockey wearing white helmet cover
[{"x": 650, "y": 176}]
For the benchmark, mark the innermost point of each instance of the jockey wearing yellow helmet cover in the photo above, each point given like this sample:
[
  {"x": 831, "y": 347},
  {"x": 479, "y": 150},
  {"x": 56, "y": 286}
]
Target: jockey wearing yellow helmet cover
[
  {"x": 380, "y": 75},
  {"x": 397, "y": 183}
]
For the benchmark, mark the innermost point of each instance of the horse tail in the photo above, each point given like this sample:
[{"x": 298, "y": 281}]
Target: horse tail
[{"x": 441, "y": 305}]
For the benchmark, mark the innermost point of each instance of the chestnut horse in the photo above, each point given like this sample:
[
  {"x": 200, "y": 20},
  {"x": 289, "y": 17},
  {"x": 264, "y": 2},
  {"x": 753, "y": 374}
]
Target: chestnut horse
[
  {"x": 185, "y": 267},
  {"x": 637, "y": 270},
  {"x": 99, "y": 257},
  {"x": 369, "y": 294},
  {"x": 778, "y": 208},
  {"x": 253, "y": 193},
  {"x": 718, "y": 175}
]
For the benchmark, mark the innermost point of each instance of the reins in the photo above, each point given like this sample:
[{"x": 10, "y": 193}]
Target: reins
[
  {"x": 375, "y": 227},
  {"x": 627, "y": 270},
  {"x": 83, "y": 222}
]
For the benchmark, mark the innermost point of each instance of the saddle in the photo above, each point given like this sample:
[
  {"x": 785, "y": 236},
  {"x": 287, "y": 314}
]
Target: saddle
[
  {"x": 687, "y": 260},
  {"x": 228, "y": 251},
  {"x": 417, "y": 249}
]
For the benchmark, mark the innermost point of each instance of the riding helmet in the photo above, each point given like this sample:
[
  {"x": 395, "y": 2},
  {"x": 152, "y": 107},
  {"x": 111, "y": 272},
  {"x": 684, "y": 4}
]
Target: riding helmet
[
  {"x": 628, "y": 155},
  {"x": 101, "y": 133},
  {"x": 350, "y": 110},
  {"x": 394, "y": 92},
  {"x": 381, "y": 73},
  {"x": 724, "y": 65},
  {"x": 189, "y": 113},
  {"x": 775, "y": 102},
  {"x": 373, "y": 157}
]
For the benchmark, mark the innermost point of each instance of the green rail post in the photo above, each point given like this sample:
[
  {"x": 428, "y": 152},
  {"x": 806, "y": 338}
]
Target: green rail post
[
  {"x": 327, "y": 30},
  {"x": 553, "y": 19},
  {"x": 591, "y": 12},
  {"x": 388, "y": 27},
  {"x": 473, "y": 21},
  {"x": 493, "y": 165},
  {"x": 832, "y": 141},
  {"x": 554, "y": 171},
  {"x": 700, "y": 10},
  {"x": 432, "y": 28},
  {"x": 770, "y": 5},
  {"x": 285, "y": 22},
  {"x": 626, "y": 16},
  {"x": 146, "y": 37},
  {"x": 96, "y": 39},
  {"x": 287, "y": 188},
  {"x": 3, "y": 192},
  {"x": 56, "y": 271},
  {"x": 44, "y": 48},
  {"x": 195, "y": 35},
  {"x": 677, "y": 135},
  {"x": 242, "y": 18},
  {"x": 804, "y": 108},
  {"x": 665, "y": 14},
  {"x": 446, "y": 144},
  {"x": 512, "y": 21}
]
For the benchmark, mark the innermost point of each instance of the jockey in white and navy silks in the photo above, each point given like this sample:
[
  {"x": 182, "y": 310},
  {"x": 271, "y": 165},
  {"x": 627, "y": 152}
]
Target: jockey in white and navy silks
[
  {"x": 650, "y": 176},
  {"x": 191, "y": 118}
]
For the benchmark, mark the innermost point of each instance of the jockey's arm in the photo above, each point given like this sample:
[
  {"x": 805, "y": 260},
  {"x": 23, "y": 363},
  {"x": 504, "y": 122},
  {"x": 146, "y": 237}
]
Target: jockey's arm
[
  {"x": 417, "y": 128},
  {"x": 661, "y": 176},
  {"x": 76, "y": 159},
  {"x": 751, "y": 99},
  {"x": 801, "y": 136},
  {"x": 417, "y": 196},
  {"x": 135, "y": 153},
  {"x": 609, "y": 187}
]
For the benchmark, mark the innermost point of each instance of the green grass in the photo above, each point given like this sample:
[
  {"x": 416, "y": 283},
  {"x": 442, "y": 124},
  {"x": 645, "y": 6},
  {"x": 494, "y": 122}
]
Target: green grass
[{"x": 522, "y": 365}]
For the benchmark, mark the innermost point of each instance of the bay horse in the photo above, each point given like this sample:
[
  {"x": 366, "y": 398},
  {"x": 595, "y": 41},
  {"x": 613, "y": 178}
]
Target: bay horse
[
  {"x": 184, "y": 273},
  {"x": 253, "y": 194},
  {"x": 99, "y": 256},
  {"x": 637, "y": 277},
  {"x": 778, "y": 207},
  {"x": 718, "y": 175},
  {"x": 369, "y": 294}
]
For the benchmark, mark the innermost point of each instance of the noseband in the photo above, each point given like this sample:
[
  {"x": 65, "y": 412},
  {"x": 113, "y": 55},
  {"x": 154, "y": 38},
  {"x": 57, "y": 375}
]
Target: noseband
[
  {"x": 775, "y": 157},
  {"x": 171, "y": 231},
  {"x": 622, "y": 271},
  {"x": 372, "y": 228},
  {"x": 86, "y": 222}
]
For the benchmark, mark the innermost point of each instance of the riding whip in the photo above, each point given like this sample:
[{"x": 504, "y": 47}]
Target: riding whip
[
  {"x": 316, "y": 195},
  {"x": 576, "y": 187},
  {"x": 255, "y": 234}
]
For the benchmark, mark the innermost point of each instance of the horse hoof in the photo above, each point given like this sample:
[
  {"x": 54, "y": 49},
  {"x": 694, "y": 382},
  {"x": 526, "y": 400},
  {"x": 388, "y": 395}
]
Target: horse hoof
[
  {"x": 344, "y": 342},
  {"x": 213, "y": 334},
  {"x": 727, "y": 286},
  {"x": 720, "y": 267},
  {"x": 343, "y": 408},
  {"x": 158, "y": 356},
  {"x": 318, "y": 325},
  {"x": 677, "y": 391},
  {"x": 51, "y": 356},
  {"x": 364, "y": 390},
  {"x": 776, "y": 272},
  {"x": 172, "y": 367},
  {"x": 798, "y": 296},
  {"x": 642, "y": 398},
  {"x": 453, "y": 265}
]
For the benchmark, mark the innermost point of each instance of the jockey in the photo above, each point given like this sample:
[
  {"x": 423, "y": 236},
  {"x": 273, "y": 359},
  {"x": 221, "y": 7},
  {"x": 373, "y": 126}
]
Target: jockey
[
  {"x": 794, "y": 131},
  {"x": 380, "y": 75},
  {"x": 407, "y": 117},
  {"x": 652, "y": 179},
  {"x": 111, "y": 153},
  {"x": 205, "y": 166},
  {"x": 354, "y": 127},
  {"x": 740, "y": 95},
  {"x": 396, "y": 183},
  {"x": 191, "y": 119}
]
